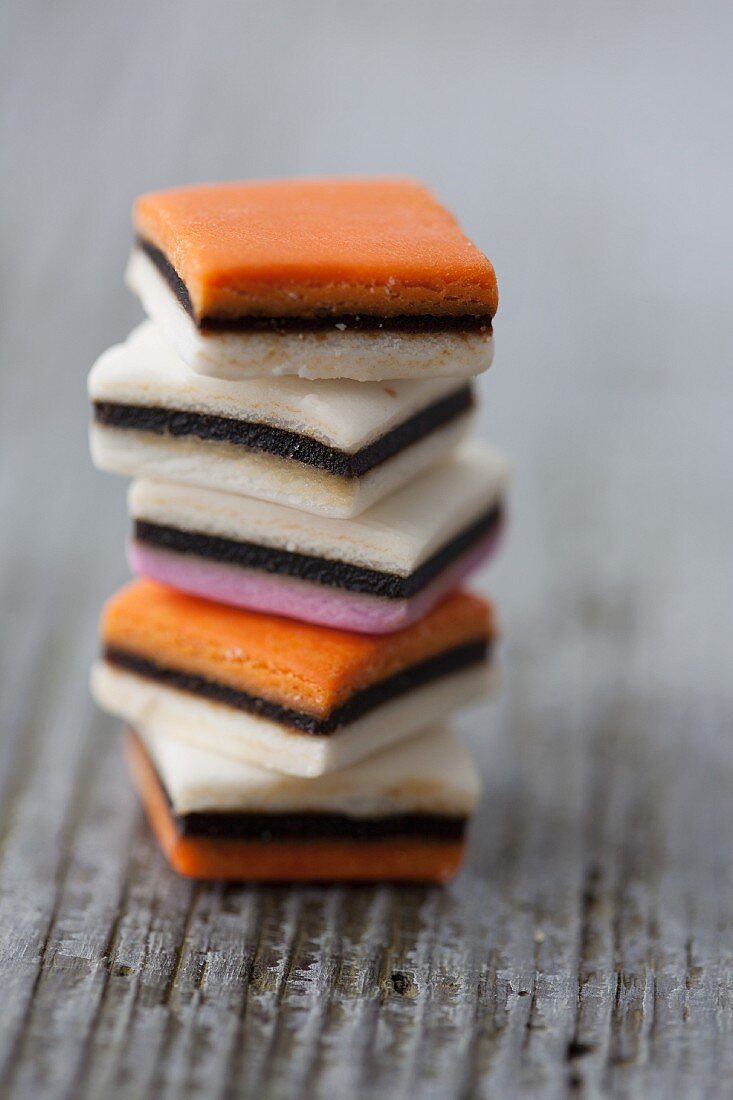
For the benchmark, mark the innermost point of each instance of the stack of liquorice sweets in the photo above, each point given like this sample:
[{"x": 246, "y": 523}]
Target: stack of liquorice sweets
[{"x": 305, "y": 509}]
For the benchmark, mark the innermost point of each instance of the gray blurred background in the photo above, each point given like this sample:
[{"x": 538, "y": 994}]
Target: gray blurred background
[{"x": 584, "y": 145}]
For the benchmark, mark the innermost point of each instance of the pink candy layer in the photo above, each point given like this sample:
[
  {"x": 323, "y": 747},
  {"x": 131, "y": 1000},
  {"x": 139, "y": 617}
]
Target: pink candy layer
[{"x": 296, "y": 599}]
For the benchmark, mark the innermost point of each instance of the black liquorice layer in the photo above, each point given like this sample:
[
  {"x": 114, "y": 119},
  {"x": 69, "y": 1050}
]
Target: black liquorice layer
[
  {"x": 317, "y": 826},
  {"x": 469, "y": 655},
  {"x": 285, "y": 444},
  {"x": 281, "y": 326},
  {"x": 315, "y": 570}
]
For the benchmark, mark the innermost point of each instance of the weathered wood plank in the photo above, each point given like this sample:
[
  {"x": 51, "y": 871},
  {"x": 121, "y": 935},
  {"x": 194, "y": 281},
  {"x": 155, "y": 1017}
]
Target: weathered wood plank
[{"x": 75, "y": 954}]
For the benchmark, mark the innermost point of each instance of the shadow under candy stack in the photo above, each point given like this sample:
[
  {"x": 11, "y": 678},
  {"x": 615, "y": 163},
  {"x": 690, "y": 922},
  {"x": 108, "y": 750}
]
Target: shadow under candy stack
[{"x": 305, "y": 508}]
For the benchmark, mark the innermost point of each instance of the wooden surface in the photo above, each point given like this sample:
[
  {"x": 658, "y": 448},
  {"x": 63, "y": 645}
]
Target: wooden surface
[{"x": 587, "y": 948}]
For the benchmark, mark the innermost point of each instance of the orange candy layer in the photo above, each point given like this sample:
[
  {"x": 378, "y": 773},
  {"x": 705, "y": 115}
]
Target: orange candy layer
[
  {"x": 294, "y": 248},
  {"x": 299, "y": 665},
  {"x": 395, "y": 859}
]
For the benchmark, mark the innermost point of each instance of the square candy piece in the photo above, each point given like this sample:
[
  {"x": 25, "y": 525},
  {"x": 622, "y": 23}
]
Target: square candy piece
[
  {"x": 401, "y": 814},
  {"x": 339, "y": 278},
  {"x": 285, "y": 695}
]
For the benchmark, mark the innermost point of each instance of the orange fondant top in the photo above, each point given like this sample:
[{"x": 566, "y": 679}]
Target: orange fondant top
[
  {"x": 297, "y": 248},
  {"x": 309, "y": 668}
]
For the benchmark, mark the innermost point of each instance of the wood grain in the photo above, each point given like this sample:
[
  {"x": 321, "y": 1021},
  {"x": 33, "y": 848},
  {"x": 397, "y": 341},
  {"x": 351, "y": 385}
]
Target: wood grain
[{"x": 587, "y": 949}]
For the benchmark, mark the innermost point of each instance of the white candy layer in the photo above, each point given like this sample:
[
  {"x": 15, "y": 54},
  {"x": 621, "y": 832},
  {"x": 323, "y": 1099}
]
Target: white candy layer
[
  {"x": 268, "y": 744},
  {"x": 363, "y": 356},
  {"x": 394, "y": 536},
  {"x": 251, "y": 473},
  {"x": 429, "y": 773}
]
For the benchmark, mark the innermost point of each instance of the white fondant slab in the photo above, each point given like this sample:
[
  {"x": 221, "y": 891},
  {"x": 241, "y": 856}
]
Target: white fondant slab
[{"x": 429, "y": 773}]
